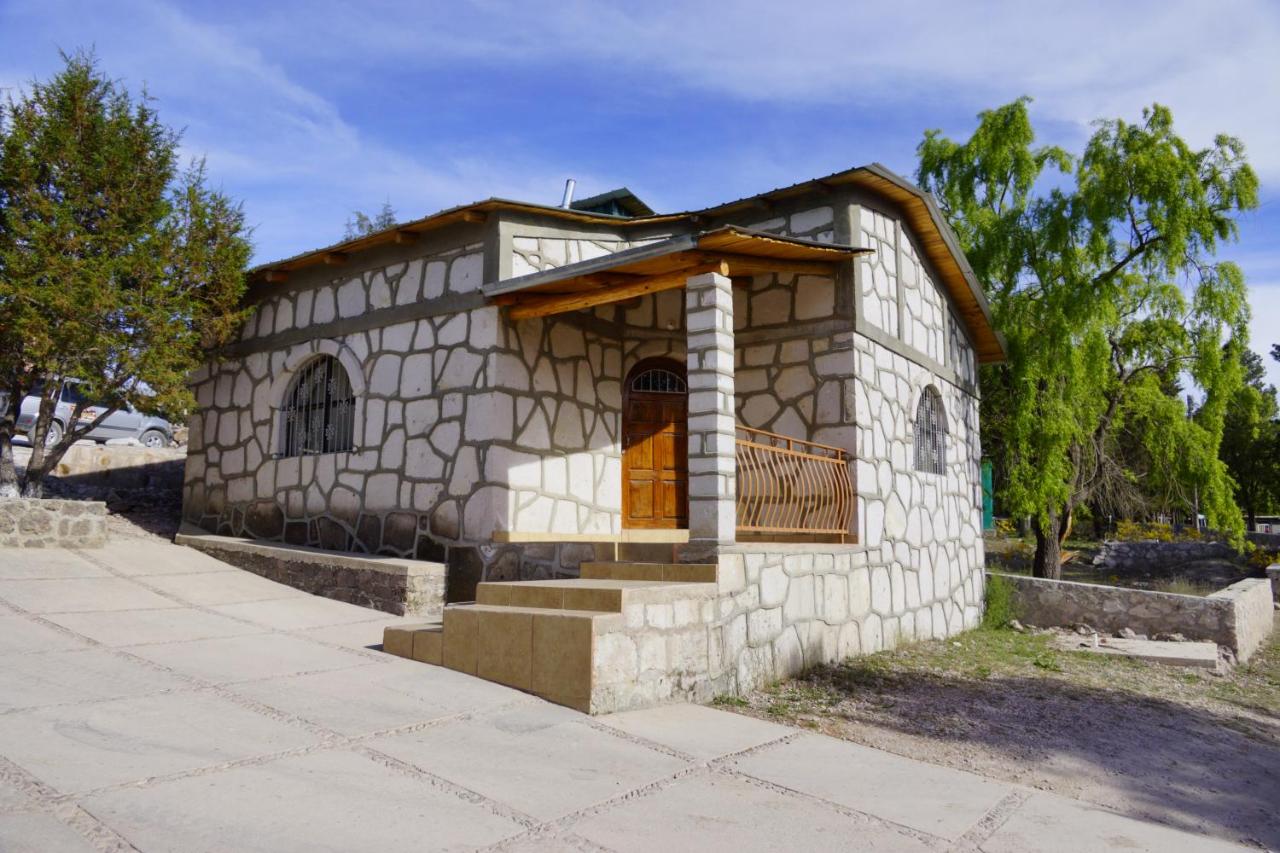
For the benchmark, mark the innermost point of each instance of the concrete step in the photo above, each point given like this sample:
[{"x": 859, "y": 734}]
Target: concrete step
[
  {"x": 605, "y": 595},
  {"x": 637, "y": 571}
]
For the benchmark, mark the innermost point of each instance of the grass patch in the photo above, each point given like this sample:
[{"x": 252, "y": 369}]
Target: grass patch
[
  {"x": 730, "y": 702},
  {"x": 1180, "y": 585},
  {"x": 1000, "y": 609}
]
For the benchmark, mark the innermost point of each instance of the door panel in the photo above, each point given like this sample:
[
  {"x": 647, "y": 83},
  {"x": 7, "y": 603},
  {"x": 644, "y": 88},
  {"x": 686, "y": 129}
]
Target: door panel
[{"x": 655, "y": 460}]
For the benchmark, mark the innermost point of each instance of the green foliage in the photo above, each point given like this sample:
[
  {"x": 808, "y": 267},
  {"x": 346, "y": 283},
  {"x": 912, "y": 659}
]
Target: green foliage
[
  {"x": 999, "y": 609},
  {"x": 361, "y": 224},
  {"x": 1100, "y": 273},
  {"x": 117, "y": 267},
  {"x": 1251, "y": 439}
]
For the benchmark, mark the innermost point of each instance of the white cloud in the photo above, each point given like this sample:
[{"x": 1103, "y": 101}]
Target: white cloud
[{"x": 1215, "y": 64}]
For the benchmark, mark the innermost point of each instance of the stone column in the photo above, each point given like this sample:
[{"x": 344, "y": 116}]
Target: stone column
[{"x": 712, "y": 466}]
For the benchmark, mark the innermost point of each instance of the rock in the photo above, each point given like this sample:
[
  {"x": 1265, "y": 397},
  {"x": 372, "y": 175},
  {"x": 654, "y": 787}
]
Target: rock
[
  {"x": 1127, "y": 634},
  {"x": 1015, "y": 625},
  {"x": 1171, "y": 638},
  {"x": 1084, "y": 630}
]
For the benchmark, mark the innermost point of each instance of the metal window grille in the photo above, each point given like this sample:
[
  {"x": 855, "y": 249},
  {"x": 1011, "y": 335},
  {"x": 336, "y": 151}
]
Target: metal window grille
[
  {"x": 319, "y": 410},
  {"x": 931, "y": 433},
  {"x": 659, "y": 381}
]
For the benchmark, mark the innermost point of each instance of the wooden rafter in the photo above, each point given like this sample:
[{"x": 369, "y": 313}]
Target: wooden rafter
[
  {"x": 404, "y": 238},
  {"x": 334, "y": 259},
  {"x": 277, "y": 276},
  {"x": 545, "y": 306}
]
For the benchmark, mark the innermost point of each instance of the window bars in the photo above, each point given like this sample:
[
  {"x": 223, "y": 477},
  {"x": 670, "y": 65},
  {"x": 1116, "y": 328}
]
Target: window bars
[
  {"x": 659, "y": 380},
  {"x": 931, "y": 433},
  {"x": 319, "y": 410}
]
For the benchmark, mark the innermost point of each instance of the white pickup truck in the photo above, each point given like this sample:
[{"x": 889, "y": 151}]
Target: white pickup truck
[{"x": 127, "y": 423}]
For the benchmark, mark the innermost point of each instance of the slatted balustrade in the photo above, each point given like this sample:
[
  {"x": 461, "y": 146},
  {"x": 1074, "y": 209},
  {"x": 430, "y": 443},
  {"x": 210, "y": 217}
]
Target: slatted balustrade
[{"x": 792, "y": 487}]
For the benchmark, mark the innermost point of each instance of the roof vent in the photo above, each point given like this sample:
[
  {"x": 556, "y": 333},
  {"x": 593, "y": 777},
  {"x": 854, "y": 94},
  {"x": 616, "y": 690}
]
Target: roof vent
[{"x": 567, "y": 201}]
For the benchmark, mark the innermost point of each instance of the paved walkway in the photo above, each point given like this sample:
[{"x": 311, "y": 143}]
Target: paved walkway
[{"x": 153, "y": 698}]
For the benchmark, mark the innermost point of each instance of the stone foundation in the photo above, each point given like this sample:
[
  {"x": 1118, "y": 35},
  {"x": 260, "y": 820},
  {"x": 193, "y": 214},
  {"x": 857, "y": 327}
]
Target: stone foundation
[
  {"x": 1238, "y": 617},
  {"x": 778, "y": 609},
  {"x": 394, "y": 585},
  {"x": 36, "y": 523}
]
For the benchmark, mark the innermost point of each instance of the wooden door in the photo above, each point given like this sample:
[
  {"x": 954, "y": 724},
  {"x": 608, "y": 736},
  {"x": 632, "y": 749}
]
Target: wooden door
[{"x": 655, "y": 447}]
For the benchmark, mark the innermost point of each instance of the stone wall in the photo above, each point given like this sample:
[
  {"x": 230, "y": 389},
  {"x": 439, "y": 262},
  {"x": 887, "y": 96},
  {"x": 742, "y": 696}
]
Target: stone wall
[
  {"x": 1238, "y": 617},
  {"x": 402, "y": 587},
  {"x": 38, "y": 523},
  {"x": 777, "y": 610},
  {"x": 465, "y": 425},
  {"x": 1273, "y": 575},
  {"x": 1153, "y": 555}
]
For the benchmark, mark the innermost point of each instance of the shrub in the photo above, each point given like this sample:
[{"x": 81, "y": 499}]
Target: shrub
[
  {"x": 999, "y": 608},
  {"x": 1006, "y": 528}
]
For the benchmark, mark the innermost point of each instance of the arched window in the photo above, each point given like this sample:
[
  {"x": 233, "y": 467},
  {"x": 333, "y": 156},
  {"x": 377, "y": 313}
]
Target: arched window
[
  {"x": 318, "y": 414},
  {"x": 931, "y": 433},
  {"x": 658, "y": 380}
]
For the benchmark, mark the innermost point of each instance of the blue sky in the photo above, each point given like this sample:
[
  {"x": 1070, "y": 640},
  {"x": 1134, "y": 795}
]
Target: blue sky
[{"x": 308, "y": 110}]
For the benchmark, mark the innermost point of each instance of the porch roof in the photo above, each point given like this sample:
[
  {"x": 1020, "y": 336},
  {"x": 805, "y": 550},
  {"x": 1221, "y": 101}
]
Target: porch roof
[{"x": 664, "y": 265}]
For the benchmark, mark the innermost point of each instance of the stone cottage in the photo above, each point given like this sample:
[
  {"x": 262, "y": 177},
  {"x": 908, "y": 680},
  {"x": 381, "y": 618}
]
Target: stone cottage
[{"x": 768, "y": 407}]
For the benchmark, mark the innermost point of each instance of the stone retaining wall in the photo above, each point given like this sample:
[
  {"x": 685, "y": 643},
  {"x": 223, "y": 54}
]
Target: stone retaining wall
[
  {"x": 100, "y": 467},
  {"x": 1153, "y": 555},
  {"x": 1238, "y": 617},
  {"x": 778, "y": 609},
  {"x": 1273, "y": 574},
  {"x": 395, "y": 585},
  {"x": 36, "y": 523}
]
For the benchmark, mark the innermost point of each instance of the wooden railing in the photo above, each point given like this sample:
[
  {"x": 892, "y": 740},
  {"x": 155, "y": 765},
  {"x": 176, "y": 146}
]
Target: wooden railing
[{"x": 787, "y": 486}]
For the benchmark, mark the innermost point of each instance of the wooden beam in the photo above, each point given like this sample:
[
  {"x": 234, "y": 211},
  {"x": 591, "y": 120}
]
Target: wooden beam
[
  {"x": 404, "y": 238},
  {"x": 742, "y": 265},
  {"x": 474, "y": 216},
  {"x": 545, "y": 306},
  {"x": 277, "y": 276},
  {"x": 334, "y": 259}
]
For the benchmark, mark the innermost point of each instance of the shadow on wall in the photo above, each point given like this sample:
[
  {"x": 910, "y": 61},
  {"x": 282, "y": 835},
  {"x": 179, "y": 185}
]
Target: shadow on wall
[{"x": 1191, "y": 768}]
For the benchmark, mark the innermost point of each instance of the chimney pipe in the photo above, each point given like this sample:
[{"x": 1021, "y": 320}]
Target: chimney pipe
[{"x": 568, "y": 193}]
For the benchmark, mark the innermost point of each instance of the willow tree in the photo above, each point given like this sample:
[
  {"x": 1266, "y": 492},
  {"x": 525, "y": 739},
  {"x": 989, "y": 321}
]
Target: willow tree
[
  {"x": 1101, "y": 275},
  {"x": 118, "y": 268}
]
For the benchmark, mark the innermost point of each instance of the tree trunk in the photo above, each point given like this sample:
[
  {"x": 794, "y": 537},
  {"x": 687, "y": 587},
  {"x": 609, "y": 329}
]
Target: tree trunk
[
  {"x": 8, "y": 471},
  {"x": 1049, "y": 537}
]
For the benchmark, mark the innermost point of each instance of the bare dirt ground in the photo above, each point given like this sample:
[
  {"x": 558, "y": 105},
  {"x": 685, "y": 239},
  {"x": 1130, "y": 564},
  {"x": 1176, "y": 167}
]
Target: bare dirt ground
[{"x": 1197, "y": 751}]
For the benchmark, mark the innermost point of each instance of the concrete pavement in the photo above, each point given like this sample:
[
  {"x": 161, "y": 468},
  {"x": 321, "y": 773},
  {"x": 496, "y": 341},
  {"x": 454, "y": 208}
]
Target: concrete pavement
[{"x": 152, "y": 698}]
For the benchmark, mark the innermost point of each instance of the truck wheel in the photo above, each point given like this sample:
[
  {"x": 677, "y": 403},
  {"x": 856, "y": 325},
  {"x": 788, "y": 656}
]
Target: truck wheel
[
  {"x": 154, "y": 438},
  {"x": 52, "y": 437}
]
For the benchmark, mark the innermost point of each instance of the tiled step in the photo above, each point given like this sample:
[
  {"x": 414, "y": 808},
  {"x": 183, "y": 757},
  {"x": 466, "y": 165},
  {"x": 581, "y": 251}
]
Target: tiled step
[
  {"x": 599, "y": 594},
  {"x": 637, "y": 571},
  {"x": 545, "y": 652},
  {"x": 417, "y": 642}
]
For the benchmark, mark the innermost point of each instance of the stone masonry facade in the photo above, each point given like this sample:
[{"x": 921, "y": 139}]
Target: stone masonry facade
[{"x": 470, "y": 426}]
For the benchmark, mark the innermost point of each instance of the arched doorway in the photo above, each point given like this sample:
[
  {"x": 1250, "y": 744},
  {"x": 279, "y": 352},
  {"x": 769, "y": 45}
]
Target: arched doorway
[{"x": 655, "y": 446}]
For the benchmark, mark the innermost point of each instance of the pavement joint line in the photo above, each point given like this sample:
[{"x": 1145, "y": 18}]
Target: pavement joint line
[
  {"x": 987, "y": 825},
  {"x": 41, "y": 798},
  {"x": 566, "y": 822},
  {"x": 781, "y": 740},
  {"x": 563, "y": 841},
  {"x": 440, "y": 782},
  {"x": 936, "y": 842},
  {"x": 328, "y": 742},
  {"x": 209, "y": 609},
  {"x": 100, "y": 834},
  {"x": 85, "y": 703},
  {"x": 605, "y": 728}
]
